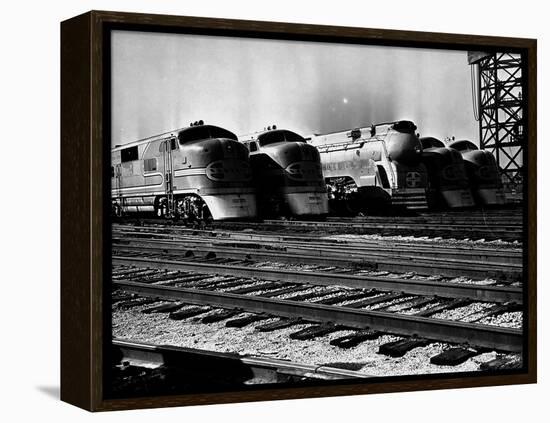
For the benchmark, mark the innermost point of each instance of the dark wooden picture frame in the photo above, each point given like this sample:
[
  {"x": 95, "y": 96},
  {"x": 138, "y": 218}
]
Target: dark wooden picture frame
[{"x": 85, "y": 243}]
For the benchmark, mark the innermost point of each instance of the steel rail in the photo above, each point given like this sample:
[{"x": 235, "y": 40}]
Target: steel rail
[
  {"x": 466, "y": 227},
  {"x": 415, "y": 286},
  {"x": 507, "y": 232},
  {"x": 457, "y": 255},
  {"x": 204, "y": 360},
  {"x": 478, "y": 335},
  {"x": 387, "y": 262},
  {"x": 507, "y": 255}
]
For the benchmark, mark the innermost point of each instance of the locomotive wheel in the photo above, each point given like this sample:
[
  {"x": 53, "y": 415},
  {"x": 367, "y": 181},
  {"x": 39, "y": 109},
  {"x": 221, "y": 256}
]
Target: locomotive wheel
[
  {"x": 160, "y": 208},
  {"x": 117, "y": 210},
  {"x": 353, "y": 204}
]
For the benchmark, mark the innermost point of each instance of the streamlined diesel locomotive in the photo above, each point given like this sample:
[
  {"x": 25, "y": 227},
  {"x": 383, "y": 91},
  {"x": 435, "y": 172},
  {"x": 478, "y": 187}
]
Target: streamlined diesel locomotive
[
  {"x": 373, "y": 168},
  {"x": 483, "y": 173},
  {"x": 448, "y": 185},
  {"x": 196, "y": 173},
  {"x": 287, "y": 174}
]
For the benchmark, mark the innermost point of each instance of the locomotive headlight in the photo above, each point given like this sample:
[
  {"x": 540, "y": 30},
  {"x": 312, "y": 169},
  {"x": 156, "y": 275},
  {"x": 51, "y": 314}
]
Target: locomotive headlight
[
  {"x": 418, "y": 149},
  {"x": 295, "y": 171}
]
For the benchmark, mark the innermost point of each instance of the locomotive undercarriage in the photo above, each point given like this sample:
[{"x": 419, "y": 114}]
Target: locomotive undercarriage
[
  {"x": 189, "y": 207},
  {"x": 346, "y": 198}
]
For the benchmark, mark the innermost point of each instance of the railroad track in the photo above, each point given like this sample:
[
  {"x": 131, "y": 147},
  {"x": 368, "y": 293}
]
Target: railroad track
[
  {"x": 244, "y": 369},
  {"x": 488, "y": 220},
  {"x": 156, "y": 228},
  {"x": 395, "y": 263},
  {"x": 424, "y": 286},
  {"x": 448, "y": 230},
  {"x": 187, "y": 285},
  {"x": 424, "y": 259},
  {"x": 486, "y": 227}
]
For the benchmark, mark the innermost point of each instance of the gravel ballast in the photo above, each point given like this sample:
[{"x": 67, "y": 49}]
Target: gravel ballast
[{"x": 159, "y": 329}]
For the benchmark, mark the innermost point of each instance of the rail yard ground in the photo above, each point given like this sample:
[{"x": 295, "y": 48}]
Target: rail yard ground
[{"x": 365, "y": 296}]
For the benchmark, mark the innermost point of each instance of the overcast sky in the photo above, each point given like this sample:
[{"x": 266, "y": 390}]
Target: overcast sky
[{"x": 164, "y": 81}]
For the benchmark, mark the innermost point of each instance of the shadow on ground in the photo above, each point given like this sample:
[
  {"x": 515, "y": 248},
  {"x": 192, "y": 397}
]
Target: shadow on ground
[{"x": 50, "y": 391}]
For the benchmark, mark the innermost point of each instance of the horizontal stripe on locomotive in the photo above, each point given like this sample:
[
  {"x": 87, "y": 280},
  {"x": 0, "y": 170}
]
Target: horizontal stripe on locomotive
[
  {"x": 115, "y": 194},
  {"x": 119, "y": 193},
  {"x": 189, "y": 172},
  {"x": 137, "y": 187}
]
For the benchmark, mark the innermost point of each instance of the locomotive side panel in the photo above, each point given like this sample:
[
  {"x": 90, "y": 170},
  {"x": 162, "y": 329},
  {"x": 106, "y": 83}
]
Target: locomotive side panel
[
  {"x": 137, "y": 178},
  {"x": 375, "y": 166},
  {"x": 197, "y": 175}
]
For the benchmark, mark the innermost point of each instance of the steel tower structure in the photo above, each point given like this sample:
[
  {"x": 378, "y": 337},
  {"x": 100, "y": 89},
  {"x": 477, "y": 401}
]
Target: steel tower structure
[{"x": 499, "y": 110}]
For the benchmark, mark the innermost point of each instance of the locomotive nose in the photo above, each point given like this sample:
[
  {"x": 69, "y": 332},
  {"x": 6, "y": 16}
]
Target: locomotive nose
[
  {"x": 405, "y": 148},
  {"x": 291, "y": 152}
]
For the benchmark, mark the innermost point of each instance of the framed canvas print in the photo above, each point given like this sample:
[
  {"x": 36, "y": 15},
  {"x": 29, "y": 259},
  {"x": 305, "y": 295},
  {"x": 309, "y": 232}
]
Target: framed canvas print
[{"x": 259, "y": 210}]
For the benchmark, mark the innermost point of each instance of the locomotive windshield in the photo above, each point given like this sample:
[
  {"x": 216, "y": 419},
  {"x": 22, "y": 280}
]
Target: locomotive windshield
[
  {"x": 463, "y": 145},
  {"x": 202, "y": 132},
  {"x": 273, "y": 137},
  {"x": 430, "y": 142},
  {"x": 405, "y": 126}
]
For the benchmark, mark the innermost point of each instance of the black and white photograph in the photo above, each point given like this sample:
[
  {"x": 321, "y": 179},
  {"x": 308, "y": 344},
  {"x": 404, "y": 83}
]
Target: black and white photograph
[
  {"x": 269, "y": 212},
  {"x": 289, "y": 213}
]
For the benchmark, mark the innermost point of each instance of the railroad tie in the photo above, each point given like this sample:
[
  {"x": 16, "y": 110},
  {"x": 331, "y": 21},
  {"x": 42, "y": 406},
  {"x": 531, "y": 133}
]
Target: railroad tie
[
  {"x": 302, "y": 297},
  {"x": 501, "y": 363},
  {"x": 354, "y": 339},
  {"x": 399, "y": 301},
  {"x": 124, "y": 296},
  {"x": 159, "y": 277},
  {"x": 419, "y": 302},
  {"x": 223, "y": 284},
  {"x": 372, "y": 301},
  {"x": 498, "y": 309},
  {"x": 163, "y": 308},
  {"x": 193, "y": 278},
  {"x": 447, "y": 305},
  {"x": 188, "y": 312},
  {"x": 255, "y": 287},
  {"x": 125, "y": 273},
  {"x": 341, "y": 297},
  {"x": 134, "y": 276},
  {"x": 453, "y": 356},
  {"x": 316, "y": 331},
  {"x": 244, "y": 321},
  {"x": 220, "y": 315},
  {"x": 282, "y": 291},
  {"x": 124, "y": 305},
  {"x": 411, "y": 303},
  {"x": 282, "y": 323},
  {"x": 400, "y": 348}
]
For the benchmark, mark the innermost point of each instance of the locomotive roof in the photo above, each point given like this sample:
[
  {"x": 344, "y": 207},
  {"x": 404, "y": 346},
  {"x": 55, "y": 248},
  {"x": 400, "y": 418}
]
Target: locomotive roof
[
  {"x": 185, "y": 132},
  {"x": 431, "y": 142},
  {"x": 262, "y": 134},
  {"x": 463, "y": 145},
  {"x": 364, "y": 132},
  {"x": 383, "y": 125}
]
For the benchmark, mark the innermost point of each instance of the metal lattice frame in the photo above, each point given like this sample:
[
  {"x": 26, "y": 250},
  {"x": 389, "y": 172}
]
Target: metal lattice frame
[{"x": 501, "y": 107}]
